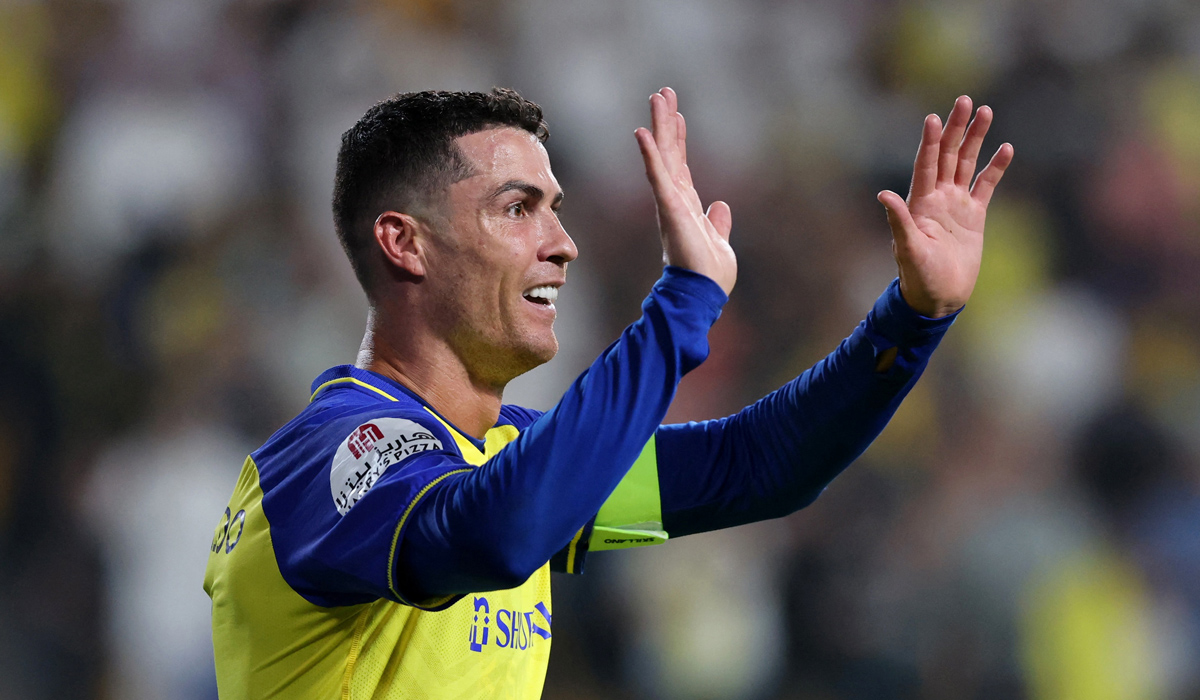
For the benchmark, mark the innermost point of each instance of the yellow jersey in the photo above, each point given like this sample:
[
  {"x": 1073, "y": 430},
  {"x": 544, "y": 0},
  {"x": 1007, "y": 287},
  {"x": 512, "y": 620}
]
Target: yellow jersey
[{"x": 301, "y": 567}]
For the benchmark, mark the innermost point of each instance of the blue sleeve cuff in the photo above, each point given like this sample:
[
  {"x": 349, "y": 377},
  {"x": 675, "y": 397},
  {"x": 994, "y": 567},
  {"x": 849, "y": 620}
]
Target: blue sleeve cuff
[
  {"x": 892, "y": 322},
  {"x": 695, "y": 285}
]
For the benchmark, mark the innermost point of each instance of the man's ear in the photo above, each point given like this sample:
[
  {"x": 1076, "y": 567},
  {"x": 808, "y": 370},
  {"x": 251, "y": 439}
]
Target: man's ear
[{"x": 396, "y": 235}]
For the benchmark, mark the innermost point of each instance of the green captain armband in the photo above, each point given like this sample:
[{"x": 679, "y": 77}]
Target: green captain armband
[{"x": 632, "y": 515}]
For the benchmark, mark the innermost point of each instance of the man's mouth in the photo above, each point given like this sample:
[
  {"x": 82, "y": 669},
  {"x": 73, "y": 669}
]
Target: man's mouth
[{"x": 544, "y": 295}]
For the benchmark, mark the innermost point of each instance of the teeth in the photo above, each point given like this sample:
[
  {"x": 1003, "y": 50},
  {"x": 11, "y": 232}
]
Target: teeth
[{"x": 548, "y": 293}]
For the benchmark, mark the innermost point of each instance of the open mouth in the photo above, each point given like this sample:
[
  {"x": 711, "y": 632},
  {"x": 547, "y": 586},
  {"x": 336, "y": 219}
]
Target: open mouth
[{"x": 543, "y": 296}]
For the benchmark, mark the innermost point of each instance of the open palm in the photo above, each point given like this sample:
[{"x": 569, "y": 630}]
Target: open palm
[
  {"x": 937, "y": 233},
  {"x": 692, "y": 238}
]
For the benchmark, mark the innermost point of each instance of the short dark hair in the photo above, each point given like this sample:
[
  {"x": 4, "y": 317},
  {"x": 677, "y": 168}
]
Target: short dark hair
[{"x": 402, "y": 152}]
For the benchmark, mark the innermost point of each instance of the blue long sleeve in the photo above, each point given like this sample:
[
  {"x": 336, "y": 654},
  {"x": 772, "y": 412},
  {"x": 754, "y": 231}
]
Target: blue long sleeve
[
  {"x": 777, "y": 455},
  {"x": 490, "y": 528}
]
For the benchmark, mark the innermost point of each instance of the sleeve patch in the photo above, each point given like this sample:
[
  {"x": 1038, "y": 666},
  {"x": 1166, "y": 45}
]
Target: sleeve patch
[{"x": 367, "y": 453}]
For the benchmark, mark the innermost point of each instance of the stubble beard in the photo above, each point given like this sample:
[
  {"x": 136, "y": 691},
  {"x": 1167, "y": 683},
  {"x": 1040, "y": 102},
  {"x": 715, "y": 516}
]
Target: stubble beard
[{"x": 495, "y": 362}]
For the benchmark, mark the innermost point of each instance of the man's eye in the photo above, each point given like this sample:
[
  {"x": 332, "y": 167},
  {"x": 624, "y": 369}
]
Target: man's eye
[{"x": 516, "y": 208}]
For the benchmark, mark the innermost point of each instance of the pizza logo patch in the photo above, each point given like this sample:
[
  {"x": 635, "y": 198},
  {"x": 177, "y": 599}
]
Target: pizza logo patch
[{"x": 367, "y": 453}]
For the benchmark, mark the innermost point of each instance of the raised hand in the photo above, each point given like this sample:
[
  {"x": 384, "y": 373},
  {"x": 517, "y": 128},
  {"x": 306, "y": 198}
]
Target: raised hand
[
  {"x": 691, "y": 238},
  {"x": 937, "y": 234}
]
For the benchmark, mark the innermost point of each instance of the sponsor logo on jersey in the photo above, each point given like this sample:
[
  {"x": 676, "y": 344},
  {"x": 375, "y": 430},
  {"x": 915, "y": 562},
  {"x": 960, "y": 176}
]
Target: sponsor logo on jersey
[
  {"x": 227, "y": 537},
  {"x": 629, "y": 540},
  {"x": 368, "y": 451},
  {"x": 511, "y": 629}
]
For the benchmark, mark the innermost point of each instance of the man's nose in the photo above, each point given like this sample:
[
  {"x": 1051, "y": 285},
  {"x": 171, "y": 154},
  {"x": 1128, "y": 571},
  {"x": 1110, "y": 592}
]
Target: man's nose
[{"x": 558, "y": 247}]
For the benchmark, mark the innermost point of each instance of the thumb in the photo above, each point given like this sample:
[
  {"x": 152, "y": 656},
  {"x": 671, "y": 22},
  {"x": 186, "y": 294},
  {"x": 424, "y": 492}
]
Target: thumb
[
  {"x": 899, "y": 218},
  {"x": 720, "y": 216}
]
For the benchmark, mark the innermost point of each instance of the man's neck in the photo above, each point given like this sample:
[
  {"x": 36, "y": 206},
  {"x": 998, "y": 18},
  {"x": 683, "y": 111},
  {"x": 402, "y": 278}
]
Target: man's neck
[{"x": 434, "y": 372}]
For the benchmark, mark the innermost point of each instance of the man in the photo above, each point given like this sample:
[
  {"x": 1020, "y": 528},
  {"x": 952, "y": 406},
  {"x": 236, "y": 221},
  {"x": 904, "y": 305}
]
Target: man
[{"x": 395, "y": 539}]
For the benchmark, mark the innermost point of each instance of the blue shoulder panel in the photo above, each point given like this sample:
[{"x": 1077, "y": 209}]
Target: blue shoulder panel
[{"x": 338, "y": 478}]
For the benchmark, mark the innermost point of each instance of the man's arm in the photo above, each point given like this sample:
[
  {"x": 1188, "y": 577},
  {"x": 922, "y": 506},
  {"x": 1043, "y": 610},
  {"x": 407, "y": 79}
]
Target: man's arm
[
  {"x": 777, "y": 455},
  {"x": 491, "y": 527}
]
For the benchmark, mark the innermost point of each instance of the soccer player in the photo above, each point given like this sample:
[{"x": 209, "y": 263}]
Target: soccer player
[{"x": 395, "y": 540}]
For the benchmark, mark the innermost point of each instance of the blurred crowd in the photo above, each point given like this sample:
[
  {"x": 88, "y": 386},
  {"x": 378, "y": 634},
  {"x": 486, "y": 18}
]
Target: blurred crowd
[{"x": 1027, "y": 527}]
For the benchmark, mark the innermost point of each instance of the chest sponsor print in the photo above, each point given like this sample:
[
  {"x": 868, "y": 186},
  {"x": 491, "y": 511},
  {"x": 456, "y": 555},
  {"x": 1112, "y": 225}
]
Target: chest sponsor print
[
  {"x": 510, "y": 629},
  {"x": 368, "y": 451}
]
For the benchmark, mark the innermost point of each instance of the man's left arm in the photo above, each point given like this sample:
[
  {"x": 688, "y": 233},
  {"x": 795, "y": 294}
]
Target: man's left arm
[{"x": 776, "y": 456}]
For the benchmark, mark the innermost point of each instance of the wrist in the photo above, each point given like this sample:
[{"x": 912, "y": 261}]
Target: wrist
[
  {"x": 926, "y": 306},
  {"x": 694, "y": 284},
  {"x": 895, "y": 322}
]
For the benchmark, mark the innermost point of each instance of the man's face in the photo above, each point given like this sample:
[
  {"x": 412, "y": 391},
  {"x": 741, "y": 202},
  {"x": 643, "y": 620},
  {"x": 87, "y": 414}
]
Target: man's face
[{"x": 498, "y": 256}]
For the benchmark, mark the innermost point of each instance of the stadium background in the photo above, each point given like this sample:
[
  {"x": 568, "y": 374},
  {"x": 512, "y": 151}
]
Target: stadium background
[{"x": 1028, "y": 526}]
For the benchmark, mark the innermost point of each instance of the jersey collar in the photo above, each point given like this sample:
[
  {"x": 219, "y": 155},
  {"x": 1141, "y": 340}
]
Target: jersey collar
[{"x": 385, "y": 388}]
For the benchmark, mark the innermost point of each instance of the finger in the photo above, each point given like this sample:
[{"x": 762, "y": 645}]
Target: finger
[
  {"x": 677, "y": 157},
  {"x": 672, "y": 99},
  {"x": 679, "y": 152},
  {"x": 684, "y": 176},
  {"x": 656, "y": 170},
  {"x": 925, "y": 168},
  {"x": 665, "y": 194},
  {"x": 899, "y": 218},
  {"x": 972, "y": 142},
  {"x": 986, "y": 183},
  {"x": 659, "y": 118},
  {"x": 663, "y": 125},
  {"x": 956, "y": 124},
  {"x": 681, "y": 130},
  {"x": 721, "y": 217}
]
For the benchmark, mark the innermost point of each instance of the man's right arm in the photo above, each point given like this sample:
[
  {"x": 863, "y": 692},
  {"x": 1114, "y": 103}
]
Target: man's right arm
[
  {"x": 490, "y": 528},
  {"x": 493, "y": 527}
]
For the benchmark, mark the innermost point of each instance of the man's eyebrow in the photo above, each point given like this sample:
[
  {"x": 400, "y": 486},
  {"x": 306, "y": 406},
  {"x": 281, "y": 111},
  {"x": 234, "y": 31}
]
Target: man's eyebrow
[{"x": 530, "y": 190}]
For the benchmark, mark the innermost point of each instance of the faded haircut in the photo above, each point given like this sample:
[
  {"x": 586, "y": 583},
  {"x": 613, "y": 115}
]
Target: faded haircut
[{"x": 401, "y": 154}]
